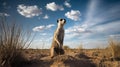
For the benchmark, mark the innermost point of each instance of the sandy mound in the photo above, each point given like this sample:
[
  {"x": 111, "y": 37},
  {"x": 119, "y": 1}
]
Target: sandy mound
[{"x": 69, "y": 61}]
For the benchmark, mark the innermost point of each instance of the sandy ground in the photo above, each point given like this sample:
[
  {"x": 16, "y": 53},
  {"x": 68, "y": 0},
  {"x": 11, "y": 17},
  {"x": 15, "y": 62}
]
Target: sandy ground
[{"x": 71, "y": 58}]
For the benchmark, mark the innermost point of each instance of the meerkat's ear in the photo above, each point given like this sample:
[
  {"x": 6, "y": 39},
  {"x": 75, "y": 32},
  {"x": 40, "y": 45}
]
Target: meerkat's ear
[
  {"x": 57, "y": 20},
  {"x": 65, "y": 20}
]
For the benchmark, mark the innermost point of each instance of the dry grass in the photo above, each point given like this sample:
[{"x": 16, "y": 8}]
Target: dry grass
[
  {"x": 114, "y": 48},
  {"x": 67, "y": 49},
  {"x": 12, "y": 41},
  {"x": 80, "y": 48}
]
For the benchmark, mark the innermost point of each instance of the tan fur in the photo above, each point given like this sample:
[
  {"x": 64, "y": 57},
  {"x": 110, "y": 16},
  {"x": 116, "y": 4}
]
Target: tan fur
[{"x": 57, "y": 43}]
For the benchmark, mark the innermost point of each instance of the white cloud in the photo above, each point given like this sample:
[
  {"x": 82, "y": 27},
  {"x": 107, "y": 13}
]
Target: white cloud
[
  {"x": 43, "y": 34},
  {"x": 46, "y": 17},
  {"x": 54, "y": 7},
  {"x": 67, "y": 4},
  {"x": 108, "y": 28},
  {"x": 4, "y": 14},
  {"x": 39, "y": 28},
  {"x": 42, "y": 42},
  {"x": 73, "y": 15},
  {"x": 43, "y": 27},
  {"x": 71, "y": 35},
  {"x": 115, "y": 35},
  {"x": 49, "y": 26},
  {"x": 77, "y": 31},
  {"x": 29, "y": 11}
]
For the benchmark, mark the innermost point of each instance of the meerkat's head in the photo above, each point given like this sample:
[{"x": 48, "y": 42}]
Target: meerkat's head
[{"x": 61, "y": 22}]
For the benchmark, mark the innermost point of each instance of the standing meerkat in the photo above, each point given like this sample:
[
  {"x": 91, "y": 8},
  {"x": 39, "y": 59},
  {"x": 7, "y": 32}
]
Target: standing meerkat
[{"x": 58, "y": 38}]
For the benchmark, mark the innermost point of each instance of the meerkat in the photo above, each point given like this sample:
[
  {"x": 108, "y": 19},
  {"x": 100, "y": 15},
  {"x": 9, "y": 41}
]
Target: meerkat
[{"x": 58, "y": 38}]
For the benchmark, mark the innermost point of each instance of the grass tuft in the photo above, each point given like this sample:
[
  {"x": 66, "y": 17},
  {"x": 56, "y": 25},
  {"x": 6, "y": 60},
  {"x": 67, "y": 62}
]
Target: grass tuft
[
  {"x": 114, "y": 46},
  {"x": 13, "y": 39}
]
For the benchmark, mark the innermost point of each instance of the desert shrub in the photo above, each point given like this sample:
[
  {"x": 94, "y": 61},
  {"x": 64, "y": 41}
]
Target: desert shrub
[
  {"x": 13, "y": 39},
  {"x": 66, "y": 47},
  {"x": 95, "y": 53},
  {"x": 80, "y": 49},
  {"x": 114, "y": 48}
]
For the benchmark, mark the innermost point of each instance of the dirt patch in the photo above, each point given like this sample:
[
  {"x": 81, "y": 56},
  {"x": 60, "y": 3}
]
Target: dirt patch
[{"x": 69, "y": 61}]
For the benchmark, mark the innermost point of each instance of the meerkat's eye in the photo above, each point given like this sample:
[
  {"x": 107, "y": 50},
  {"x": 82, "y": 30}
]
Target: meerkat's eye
[{"x": 61, "y": 19}]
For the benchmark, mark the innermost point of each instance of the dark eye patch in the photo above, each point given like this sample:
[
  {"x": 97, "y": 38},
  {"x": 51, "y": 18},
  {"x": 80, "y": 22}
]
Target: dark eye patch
[
  {"x": 57, "y": 21},
  {"x": 61, "y": 19}
]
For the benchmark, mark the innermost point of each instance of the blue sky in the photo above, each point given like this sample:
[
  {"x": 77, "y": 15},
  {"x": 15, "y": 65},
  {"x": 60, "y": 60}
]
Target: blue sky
[{"x": 89, "y": 22}]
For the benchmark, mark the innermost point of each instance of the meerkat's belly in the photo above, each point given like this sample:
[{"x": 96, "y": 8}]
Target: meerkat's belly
[
  {"x": 55, "y": 44},
  {"x": 59, "y": 38}
]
